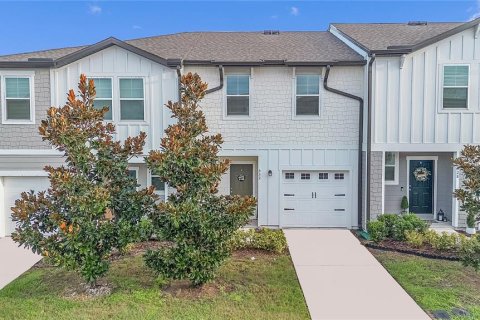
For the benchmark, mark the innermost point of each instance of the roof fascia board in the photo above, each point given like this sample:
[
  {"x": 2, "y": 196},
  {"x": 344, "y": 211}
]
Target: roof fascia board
[
  {"x": 94, "y": 48},
  {"x": 361, "y": 50},
  {"x": 274, "y": 63},
  {"x": 354, "y": 41},
  {"x": 26, "y": 64},
  {"x": 446, "y": 34}
]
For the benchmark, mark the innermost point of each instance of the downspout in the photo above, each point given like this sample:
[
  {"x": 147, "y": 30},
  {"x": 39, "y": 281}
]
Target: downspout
[
  {"x": 220, "y": 86},
  {"x": 179, "y": 84},
  {"x": 369, "y": 132},
  {"x": 360, "y": 139}
]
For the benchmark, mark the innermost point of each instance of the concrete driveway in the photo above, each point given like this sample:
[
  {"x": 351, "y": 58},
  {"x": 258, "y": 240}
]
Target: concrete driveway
[
  {"x": 14, "y": 260},
  {"x": 340, "y": 279}
]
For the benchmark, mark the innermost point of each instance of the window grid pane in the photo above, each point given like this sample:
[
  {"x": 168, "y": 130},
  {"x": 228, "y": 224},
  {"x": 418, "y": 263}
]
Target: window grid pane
[
  {"x": 238, "y": 85},
  {"x": 100, "y": 103},
  {"x": 305, "y": 176},
  {"x": 103, "y": 86},
  {"x": 307, "y": 105},
  {"x": 323, "y": 176},
  {"x": 455, "y": 97},
  {"x": 131, "y": 88},
  {"x": 17, "y": 88},
  {"x": 308, "y": 84},
  {"x": 18, "y": 109},
  {"x": 389, "y": 173},
  {"x": 157, "y": 183},
  {"x": 289, "y": 175},
  {"x": 131, "y": 110},
  {"x": 455, "y": 76},
  {"x": 339, "y": 176}
]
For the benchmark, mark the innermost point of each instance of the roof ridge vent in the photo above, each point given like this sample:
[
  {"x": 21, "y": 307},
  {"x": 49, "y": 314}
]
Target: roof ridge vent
[
  {"x": 417, "y": 23},
  {"x": 271, "y": 32}
]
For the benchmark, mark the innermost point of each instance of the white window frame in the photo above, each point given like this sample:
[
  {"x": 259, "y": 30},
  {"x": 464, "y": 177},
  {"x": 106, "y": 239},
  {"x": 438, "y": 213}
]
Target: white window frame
[
  {"x": 295, "y": 95},
  {"x": 113, "y": 95},
  {"x": 17, "y": 74},
  {"x": 225, "y": 108},
  {"x": 131, "y": 99},
  {"x": 395, "y": 181},
  {"x": 442, "y": 80},
  {"x": 149, "y": 184}
]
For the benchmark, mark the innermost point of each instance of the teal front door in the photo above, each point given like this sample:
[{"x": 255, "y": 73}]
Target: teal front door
[{"x": 421, "y": 186}]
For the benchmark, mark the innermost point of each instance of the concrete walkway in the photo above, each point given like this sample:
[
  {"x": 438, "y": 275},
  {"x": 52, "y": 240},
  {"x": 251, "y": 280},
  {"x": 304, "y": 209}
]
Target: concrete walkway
[
  {"x": 14, "y": 260},
  {"x": 340, "y": 279}
]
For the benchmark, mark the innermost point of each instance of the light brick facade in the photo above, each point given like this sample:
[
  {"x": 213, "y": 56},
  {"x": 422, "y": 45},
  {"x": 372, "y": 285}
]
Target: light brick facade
[{"x": 376, "y": 184}]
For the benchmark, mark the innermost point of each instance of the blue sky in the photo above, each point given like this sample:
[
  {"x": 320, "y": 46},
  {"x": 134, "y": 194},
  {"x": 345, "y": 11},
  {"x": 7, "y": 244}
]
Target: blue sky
[{"x": 37, "y": 25}]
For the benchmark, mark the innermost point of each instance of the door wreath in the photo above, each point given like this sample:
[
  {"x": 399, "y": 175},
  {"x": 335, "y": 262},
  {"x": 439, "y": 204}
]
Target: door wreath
[{"x": 421, "y": 174}]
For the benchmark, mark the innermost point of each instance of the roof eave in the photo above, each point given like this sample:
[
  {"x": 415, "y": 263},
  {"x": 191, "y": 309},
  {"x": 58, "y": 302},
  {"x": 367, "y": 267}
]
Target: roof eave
[
  {"x": 275, "y": 63},
  {"x": 26, "y": 64}
]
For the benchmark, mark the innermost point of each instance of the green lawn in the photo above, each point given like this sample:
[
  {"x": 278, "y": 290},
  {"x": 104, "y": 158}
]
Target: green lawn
[
  {"x": 264, "y": 288},
  {"x": 435, "y": 284}
]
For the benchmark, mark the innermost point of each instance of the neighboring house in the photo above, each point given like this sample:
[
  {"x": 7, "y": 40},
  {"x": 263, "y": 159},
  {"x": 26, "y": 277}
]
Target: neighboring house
[
  {"x": 424, "y": 108},
  {"x": 292, "y": 144},
  {"x": 291, "y": 107}
]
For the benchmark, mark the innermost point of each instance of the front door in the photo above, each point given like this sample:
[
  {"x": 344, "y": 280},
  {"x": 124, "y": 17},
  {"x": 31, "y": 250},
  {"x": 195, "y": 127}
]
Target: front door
[
  {"x": 241, "y": 179},
  {"x": 421, "y": 177}
]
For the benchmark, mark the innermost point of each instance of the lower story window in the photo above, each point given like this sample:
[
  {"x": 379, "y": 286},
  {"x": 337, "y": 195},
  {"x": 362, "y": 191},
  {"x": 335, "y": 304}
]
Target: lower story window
[
  {"x": 157, "y": 183},
  {"x": 391, "y": 168}
]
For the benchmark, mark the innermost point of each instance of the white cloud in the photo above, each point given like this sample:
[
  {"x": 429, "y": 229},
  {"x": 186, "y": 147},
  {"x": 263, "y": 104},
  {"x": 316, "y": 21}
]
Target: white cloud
[
  {"x": 136, "y": 27},
  {"x": 94, "y": 9},
  {"x": 294, "y": 11}
]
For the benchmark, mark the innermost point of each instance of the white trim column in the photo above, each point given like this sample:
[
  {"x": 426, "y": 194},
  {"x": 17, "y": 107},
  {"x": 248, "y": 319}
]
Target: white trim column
[{"x": 456, "y": 185}]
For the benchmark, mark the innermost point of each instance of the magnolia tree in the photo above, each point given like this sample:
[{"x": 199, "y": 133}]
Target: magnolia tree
[
  {"x": 469, "y": 194},
  {"x": 196, "y": 221},
  {"x": 92, "y": 206}
]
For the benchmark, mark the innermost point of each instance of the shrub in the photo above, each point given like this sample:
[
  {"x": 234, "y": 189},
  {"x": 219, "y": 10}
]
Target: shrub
[
  {"x": 469, "y": 164},
  {"x": 377, "y": 230},
  {"x": 93, "y": 205},
  {"x": 431, "y": 237},
  {"x": 470, "y": 253},
  {"x": 414, "y": 238},
  {"x": 407, "y": 222},
  {"x": 196, "y": 221},
  {"x": 445, "y": 242},
  {"x": 263, "y": 239},
  {"x": 389, "y": 220}
]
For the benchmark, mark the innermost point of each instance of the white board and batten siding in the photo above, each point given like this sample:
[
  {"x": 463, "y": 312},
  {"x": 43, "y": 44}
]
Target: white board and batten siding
[
  {"x": 407, "y": 106},
  {"x": 159, "y": 86},
  {"x": 307, "y": 159}
]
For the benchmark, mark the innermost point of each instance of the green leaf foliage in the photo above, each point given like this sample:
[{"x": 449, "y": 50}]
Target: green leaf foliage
[
  {"x": 92, "y": 206},
  {"x": 196, "y": 222}
]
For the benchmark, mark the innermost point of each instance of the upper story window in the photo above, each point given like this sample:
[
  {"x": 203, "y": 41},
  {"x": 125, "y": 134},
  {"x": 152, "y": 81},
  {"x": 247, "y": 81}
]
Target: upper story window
[
  {"x": 391, "y": 168},
  {"x": 132, "y": 99},
  {"x": 17, "y": 99},
  {"x": 238, "y": 95},
  {"x": 455, "y": 86},
  {"x": 104, "y": 96},
  {"x": 307, "y": 100}
]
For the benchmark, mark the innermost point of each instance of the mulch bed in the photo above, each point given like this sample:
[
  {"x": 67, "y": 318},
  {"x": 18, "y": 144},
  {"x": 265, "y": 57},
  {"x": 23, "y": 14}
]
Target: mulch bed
[{"x": 425, "y": 251}]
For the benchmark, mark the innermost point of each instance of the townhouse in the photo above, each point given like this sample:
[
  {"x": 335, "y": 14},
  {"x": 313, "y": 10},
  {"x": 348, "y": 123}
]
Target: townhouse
[{"x": 302, "y": 132}]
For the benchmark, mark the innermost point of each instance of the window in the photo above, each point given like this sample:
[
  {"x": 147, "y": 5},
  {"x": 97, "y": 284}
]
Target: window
[
  {"x": 305, "y": 176},
  {"x": 133, "y": 173},
  {"x": 339, "y": 176},
  {"x": 391, "y": 168},
  {"x": 238, "y": 99},
  {"x": 289, "y": 175},
  {"x": 131, "y": 99},
  {"x": 323, "y": 176},
  {"x": 103, "y": 86},
  {"x": 308, "y": 95},
  {"x": 18, "y": 102},
  {"x": 157, "y": 183},
  {"x": 455, "y": 87}
]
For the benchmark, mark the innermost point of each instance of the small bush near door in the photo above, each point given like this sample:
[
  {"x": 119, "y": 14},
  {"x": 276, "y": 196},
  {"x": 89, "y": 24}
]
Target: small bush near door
[{"x": 393, "y": 226}]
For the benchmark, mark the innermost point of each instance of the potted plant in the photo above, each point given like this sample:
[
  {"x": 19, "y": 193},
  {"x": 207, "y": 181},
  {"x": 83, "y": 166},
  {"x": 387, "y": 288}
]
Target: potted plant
[
  {"x": 469, "y": 194},
  {"x": 404, "y": 205}
]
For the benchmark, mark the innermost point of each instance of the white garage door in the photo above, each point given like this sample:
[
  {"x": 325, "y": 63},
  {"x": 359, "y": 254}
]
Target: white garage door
[
  {"x": 13, "y": 187},
  {"x": 316, "y": 199}
]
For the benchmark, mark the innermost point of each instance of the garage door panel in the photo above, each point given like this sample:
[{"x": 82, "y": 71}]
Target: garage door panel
[
  {"x": 13, "y": 187},
  {"x": 323, "y": 200}
]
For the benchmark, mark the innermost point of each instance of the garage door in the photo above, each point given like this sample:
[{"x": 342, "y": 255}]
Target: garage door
[
  {"x": 316, "y": 199},
  {"x": 13, "y": 187}
]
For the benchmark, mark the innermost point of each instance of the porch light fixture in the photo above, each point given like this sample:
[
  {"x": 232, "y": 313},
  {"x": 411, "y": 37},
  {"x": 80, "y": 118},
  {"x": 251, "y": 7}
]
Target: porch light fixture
[
  {"x": 270, "y": 173},
  {"x": 440, "y": 215}
]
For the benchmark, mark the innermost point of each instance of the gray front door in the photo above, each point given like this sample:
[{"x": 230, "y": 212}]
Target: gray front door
[{"x": 241, "y": 179}]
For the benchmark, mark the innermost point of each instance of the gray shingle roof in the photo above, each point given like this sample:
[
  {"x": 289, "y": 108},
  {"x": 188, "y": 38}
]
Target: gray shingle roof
[
  {"x": 231, "y": 47},
  {"x": 380, "y": 36}
]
